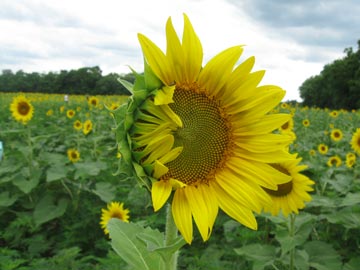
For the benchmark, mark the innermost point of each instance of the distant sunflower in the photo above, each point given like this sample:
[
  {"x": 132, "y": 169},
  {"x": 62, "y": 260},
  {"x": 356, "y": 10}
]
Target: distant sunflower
[
  {"x": 77, "y": 125},
  {"x": 355, "y": 141},
  {"x": 284, "y": 105},
  {"x": 114, "y": 210},
  {"x": 336, "y": 135},
  {"x": 204, "y": 134},
  {"x": 312, "y": 152},
  {"x": 73, "y": 155},
  {"x": 350, "y": 160},
  {"x": 93, "y": 101},
  {"x": 334, "y": 161},
  {"x": 306, "y": 122},
  {"x": 290, "y": 196},
  {"x": 21, "y": 109},
  {"x": 50, "y": 112},
  {"x": 70, "y": 113},
  {"x": 334, "y": 114},
  {"x": 288, "y": 126},
  {"x": 87, "y": 127},
  {"x": 323, "y": 149}
]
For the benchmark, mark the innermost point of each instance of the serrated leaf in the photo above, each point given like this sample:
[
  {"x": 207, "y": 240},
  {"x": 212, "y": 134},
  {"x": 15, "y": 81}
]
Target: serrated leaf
[
  {"x": 27, "y": 184},
  {"x": 351, "y": 199},
  {"x": 56, "y": 173},
  {"x": 47, "y": 209},
  {"x": 105, "y": 191},
  {"x": 125, "y": 241},
  {"x": 348, "y": 217},
  {"x": 322, "y": 256}
]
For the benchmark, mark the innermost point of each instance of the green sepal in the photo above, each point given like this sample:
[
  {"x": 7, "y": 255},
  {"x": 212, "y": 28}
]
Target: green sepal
[
  {"x": 129, "y": 86},
  {"x": 141, "y": 175},
  {"x": 152, "y": 82}
]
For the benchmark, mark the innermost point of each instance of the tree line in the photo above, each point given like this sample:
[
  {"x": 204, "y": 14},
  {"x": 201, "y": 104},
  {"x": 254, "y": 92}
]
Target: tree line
[
  {"x": 86, "y": 80},
  {"x": 338, "y": 84}
]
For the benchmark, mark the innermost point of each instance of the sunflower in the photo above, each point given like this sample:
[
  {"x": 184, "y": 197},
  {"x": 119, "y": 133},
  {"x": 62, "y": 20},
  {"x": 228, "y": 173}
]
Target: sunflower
[
  {"x": 336, "y": 135},
  {"x": 87, "y": 127},
  {"x": 323, "y": 149},
  {"x": 312, "y": 152},
  {"x": 70, "y": 113},
  {"x": 50, "y": 112},
  {"x": 334, "y": 161},
  {"x": 77, "y": 125},
  {"x": 114, "y": 210},
  {"x": 21, "y": 109},
  {"x": 350, "y": 160},
  {"x": 73, "y": 155},
  {"x": 203, "y": 134},
  {"x": 93, "y": 101},
  {"x": 334, "y": 114},
  {"x": 355, "y": 141},
  {"x": 287, "y": 126},
  {"x": 290, "y": 196},
  {"x": 306, "y": 122},
  {"x": 284, "y": 105}
]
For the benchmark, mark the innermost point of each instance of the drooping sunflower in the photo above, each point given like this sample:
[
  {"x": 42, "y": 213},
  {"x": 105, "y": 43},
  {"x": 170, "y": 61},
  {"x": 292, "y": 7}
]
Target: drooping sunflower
[
  {"x": 78, "y": 125},
  {"x": 323, "y": 148},
  {"x": 21, "y": 109},
  {"x": 290, "y": 196},
  {"x": 73, "y": 155},
  {"x": 355, "y": 141},
  {"x": 202, "y": 134},
  {"x": 114, "y": 210},
  {"x": 70, "y": 114},
  {"x": 336, "y": 135},
  {"x": 334, "y": 161},
  {"x": 87, "y": 127}
]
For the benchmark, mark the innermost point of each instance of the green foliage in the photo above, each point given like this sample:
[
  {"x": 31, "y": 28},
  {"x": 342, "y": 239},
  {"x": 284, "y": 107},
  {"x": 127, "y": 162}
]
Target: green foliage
[{"x": 337, "y": 86}]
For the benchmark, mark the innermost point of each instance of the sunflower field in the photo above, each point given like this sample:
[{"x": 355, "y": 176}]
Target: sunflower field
[{"x": 58, "y": 173}]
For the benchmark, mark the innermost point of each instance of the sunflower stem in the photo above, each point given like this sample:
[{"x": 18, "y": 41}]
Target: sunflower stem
[
  {"x": 292, "y": 234},
  {"x": 170, "y": 237}
]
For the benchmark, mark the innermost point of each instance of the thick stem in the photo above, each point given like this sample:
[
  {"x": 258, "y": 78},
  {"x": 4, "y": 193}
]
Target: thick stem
[
  {"x": 170, "y": 236},
  {"x": 292, "y": 234}
]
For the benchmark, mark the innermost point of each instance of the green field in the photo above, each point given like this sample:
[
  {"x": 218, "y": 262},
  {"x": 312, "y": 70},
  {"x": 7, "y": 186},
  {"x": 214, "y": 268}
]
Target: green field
[{"x": 50, "y": 207}]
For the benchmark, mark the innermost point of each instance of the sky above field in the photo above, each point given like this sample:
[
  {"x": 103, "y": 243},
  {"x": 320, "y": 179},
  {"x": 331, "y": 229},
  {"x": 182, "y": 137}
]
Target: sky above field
[{"x": 292, "y": 40}]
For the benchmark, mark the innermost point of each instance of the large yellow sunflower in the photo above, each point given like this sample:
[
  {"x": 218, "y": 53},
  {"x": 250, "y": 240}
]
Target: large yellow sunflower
[
  {"x": 355, "y": 141},
  {"x": 203, "y": 134},
  {"x": 114, "y": 210},
  {"x": 290, "y": 196},
  {"x": 21, "y": 109}
]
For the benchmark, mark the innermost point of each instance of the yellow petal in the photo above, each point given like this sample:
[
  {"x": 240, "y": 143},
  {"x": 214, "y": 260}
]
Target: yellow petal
[
  {"x": 182, "y": 215},
  {"x": 164, "y": 95},
  {"x": 159, "y": 169},
  {"x": 160, "y": 192},
  {"x": 176, "y": 183}
]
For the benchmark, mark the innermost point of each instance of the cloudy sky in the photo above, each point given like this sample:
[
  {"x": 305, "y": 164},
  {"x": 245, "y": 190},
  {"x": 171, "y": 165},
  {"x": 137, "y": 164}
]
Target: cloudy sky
[{"x": 291, "y": 39}]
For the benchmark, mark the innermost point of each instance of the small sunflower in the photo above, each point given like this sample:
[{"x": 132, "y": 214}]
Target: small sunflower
[
  {"x": 334, "y": 114},
  {"x": 21, "y": 109},
  {"x": 73, "y": 155},
  {"x": 78, "y": 125},
  {"x": 62, "y": 108},
  {"x": 114, "y": 210},
  {"x": 355, "y": 141},
  {"x": 203, "y": 134},
  {"x": 306, "y": 122},
  {"x": 87, "y": 127},
  {"x": 288, "y": 126},
  {"x": 290, "y": 196},
  {"x": 93, "y": 101},
  {"x": 50, "y": 112},
  {"x": 336, "y": 135},
  {"x": 70, "y": 114},
  {"x": 334, "y": 161},
  {"x": 312, "y": 152},
  {"x": 284, "y": 105},
  {"x": 350, "y": 160},
  {"x": 323, "y": 149}
]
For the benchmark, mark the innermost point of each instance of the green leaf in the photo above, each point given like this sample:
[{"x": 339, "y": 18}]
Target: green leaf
[
  {"x": 353, "y": 264},
  {"x": 6, "y": 199},
  {"x": 322, "y": 256},
  {"x": 46, "y": 209},
  {"x": 348, "y": 217},
  {"x": 258, "y": 252},
  {"x": 56, "y": 173},
  {"x": 26, "y": 184},
  {"x": 127, "y": 244},
  {"x": 105, "y": 191},
  {"x": 351, "y": 199},
  {"x": 86, "y": 169}
]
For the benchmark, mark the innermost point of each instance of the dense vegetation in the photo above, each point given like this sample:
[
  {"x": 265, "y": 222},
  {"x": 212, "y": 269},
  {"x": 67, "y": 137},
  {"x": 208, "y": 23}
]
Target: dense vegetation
[
  {"x": 50, "y": 207},
  {"x": 338, "y": 84},
  {"x": 86, "y": 81}
]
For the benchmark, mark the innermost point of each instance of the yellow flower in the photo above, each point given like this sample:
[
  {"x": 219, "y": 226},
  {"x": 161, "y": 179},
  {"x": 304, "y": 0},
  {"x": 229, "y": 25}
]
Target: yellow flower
[
  {"x": 70, "y": 113},
  {"x": 306, "y": 122},
  {"x": 114, "y": 210},
  {"x": 21, "y": 109},
  {"x": 355, "y": 141},
  {"x": 334, "y": 161},
  {"x": 334, "y": 114},
  {"x": 78, "y": 125},
  {"x": 288, "y": 126},
  {"x": 93, "y": 101},
  {"x": 336, "y": 135},
  {"x": 204, "y": 134},
  {"x": 49, "y": 112},
  {"x": 323, "y": 149},
  {"x": 62, "y": 108},
  {"x": 312, "y": 152},
  {"x": 350, "y": 160},
  {"x": 290, "y": 196},
  {"x": 284, "y": 105},
  {"x": 73, "y": 155},
  {"x": 87, "y": 127}
]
